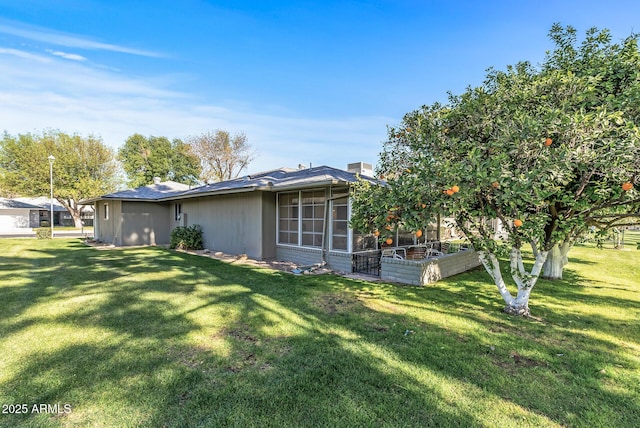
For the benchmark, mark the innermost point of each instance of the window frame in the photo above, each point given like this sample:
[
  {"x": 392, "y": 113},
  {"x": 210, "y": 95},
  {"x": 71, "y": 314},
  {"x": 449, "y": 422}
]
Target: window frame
[
  {"x": 329, "y": 193},
  {"x": 305, "y": 221},
  {"x": 334, "y": 195},
  {"x": 278, "y": 219}
]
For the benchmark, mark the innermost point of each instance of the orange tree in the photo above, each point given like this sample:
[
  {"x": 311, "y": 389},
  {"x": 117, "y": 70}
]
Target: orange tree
[{"x": 544, "y": 152}]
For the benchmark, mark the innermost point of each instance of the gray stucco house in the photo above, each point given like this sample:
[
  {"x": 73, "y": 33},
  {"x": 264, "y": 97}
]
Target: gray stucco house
[{"x": 298, "y": 215}]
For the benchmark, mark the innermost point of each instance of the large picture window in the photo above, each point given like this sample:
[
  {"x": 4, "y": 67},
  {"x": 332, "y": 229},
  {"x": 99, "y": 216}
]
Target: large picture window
[
  {"x": 301, "y": 219},
  {"x": 288, "y": 204},
  {"x": 312, "y": 218}
]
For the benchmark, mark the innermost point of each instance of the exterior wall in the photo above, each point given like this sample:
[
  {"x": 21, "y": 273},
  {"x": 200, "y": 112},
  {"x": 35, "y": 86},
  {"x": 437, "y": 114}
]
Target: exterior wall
[
  {"x": 230, "y": 223},
  {"x": 269, "y": 225},
  {"x": 108, "y": 230},
  {"x": 144, "y": 223},
  {"x": 338, "y": 261},
  {"x": 132, "y": 223},
  {"x": 14, "y": 218},
  {"x": 299, "y": 255},
  {"x": 422, "y": 272}
]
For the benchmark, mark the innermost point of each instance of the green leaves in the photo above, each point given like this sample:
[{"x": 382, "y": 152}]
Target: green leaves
[
  {"x": 490, "y": 141},
  {"x": 144, "y": 158},
  {"x": 83, "y": 168}
]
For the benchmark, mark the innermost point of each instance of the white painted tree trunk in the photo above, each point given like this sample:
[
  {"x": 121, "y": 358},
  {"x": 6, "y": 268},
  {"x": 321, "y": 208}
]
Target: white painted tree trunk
[
  {"x": 556, "y": 260},
  {"x": 77, "y": 220},
  {"x": 518, "y": 305}
]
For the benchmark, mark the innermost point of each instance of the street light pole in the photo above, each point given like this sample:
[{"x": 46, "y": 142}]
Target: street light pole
[{"x": 51, "y": 159}]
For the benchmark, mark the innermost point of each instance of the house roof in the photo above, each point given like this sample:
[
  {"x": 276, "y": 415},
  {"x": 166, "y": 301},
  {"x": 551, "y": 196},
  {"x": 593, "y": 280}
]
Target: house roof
[
  {"x": 16, "y": 204},
  {"x": 145, "y": 193},
  {"x": 42, "y": 203},
  {"x": 274, "y": 180}
]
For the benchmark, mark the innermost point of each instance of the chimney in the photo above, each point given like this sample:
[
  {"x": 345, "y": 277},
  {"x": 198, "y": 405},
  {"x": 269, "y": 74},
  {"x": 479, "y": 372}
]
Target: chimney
[
  {"x": 156, "y": 180},
  {"x": 361, "y": 168}
]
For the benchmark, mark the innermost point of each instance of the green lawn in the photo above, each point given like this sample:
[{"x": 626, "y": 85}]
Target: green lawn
[
  {"x": 631, "y": 240},
  {"x": 151, "y": 337}
]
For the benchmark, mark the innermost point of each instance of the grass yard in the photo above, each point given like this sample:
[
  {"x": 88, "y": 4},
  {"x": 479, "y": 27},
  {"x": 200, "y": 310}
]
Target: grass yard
[{"x": 152, "y": 337}]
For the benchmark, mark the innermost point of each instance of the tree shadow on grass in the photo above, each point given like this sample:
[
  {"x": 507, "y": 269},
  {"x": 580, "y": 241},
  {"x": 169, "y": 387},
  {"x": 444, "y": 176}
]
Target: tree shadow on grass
[
  {"x": 126, "y": 360},
  {"x": 223, "y": 345}
]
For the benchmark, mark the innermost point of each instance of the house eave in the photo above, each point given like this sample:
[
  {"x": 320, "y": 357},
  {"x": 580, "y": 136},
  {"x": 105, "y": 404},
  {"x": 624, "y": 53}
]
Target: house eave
[
  {"x": 309, "y": 185},
  {"x": 204, "y": 194}
]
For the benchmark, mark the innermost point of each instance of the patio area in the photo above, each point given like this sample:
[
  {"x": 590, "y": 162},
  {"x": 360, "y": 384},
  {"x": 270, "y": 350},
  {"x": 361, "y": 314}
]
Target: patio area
[{"x": 417, "y": 264}]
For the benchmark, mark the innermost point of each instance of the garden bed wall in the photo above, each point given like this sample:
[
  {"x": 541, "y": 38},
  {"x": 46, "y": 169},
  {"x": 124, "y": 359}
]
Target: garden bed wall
[{"x": 422, "y": 272}]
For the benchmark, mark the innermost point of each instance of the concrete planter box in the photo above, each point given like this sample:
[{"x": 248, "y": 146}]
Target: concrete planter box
[{"x": 423, "y": 272}]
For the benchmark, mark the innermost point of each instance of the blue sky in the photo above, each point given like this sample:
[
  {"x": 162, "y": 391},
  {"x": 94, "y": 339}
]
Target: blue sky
[{"x": 308, "y": 82}]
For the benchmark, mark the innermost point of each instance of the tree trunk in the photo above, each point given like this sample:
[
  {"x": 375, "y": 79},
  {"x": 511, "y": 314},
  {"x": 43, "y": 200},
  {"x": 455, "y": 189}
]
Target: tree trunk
[
  {"x": 518, "y": 305},
  {"x": 74, "y": 209},
  {"x": 77, "y": 220},
  {"x": 556, "y": 260}
]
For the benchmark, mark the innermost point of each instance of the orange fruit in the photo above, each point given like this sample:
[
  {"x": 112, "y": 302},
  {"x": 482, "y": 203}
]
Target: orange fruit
[
  {"x": 455, "y": 189},
  {"x": 388, "y": 227},
  {"x": 389, "y": 241},
  {"x": 627, "y": 186},
  {"x": 517, "y": 222},
  {"x": 449, "y": 192},
  {"x": 418, "y": 233},
  {"x": 548, "y": 142},
  {"x": 376, "y": 233}
]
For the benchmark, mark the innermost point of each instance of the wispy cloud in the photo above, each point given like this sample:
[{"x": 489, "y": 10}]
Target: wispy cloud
[
  {"x": 65, "y": 55},
  {"x": 68, "y": 40},
  {"x": 40, "y": 92},
  {"x": 24, "y": 55}
]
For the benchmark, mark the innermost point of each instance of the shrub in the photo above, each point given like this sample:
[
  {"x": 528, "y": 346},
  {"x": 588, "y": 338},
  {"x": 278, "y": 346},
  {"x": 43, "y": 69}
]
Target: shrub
[
  {"x": 187, "y": 238},
  {"x": 43, "y": 233}
]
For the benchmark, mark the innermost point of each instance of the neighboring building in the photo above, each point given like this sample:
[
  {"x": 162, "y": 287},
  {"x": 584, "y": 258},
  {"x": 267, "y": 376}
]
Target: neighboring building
[
  {"x": 16, "y": 215},
  {"x": 19, "y": 214},
  {"x": 61, "y": 217},
  {"x": 299, "y": 215}
]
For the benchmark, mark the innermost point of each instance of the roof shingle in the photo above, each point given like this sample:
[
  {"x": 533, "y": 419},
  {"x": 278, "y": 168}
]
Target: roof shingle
[{"x": 278, "y": 179}]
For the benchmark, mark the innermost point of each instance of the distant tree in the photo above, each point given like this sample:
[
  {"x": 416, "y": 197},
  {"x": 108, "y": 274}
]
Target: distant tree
[
  {"x": 83, "y": 168},
  {"x": 4, "y": 192},
  {"x": 223, "y": 157},
  {"x": 144, "y": 158}
]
